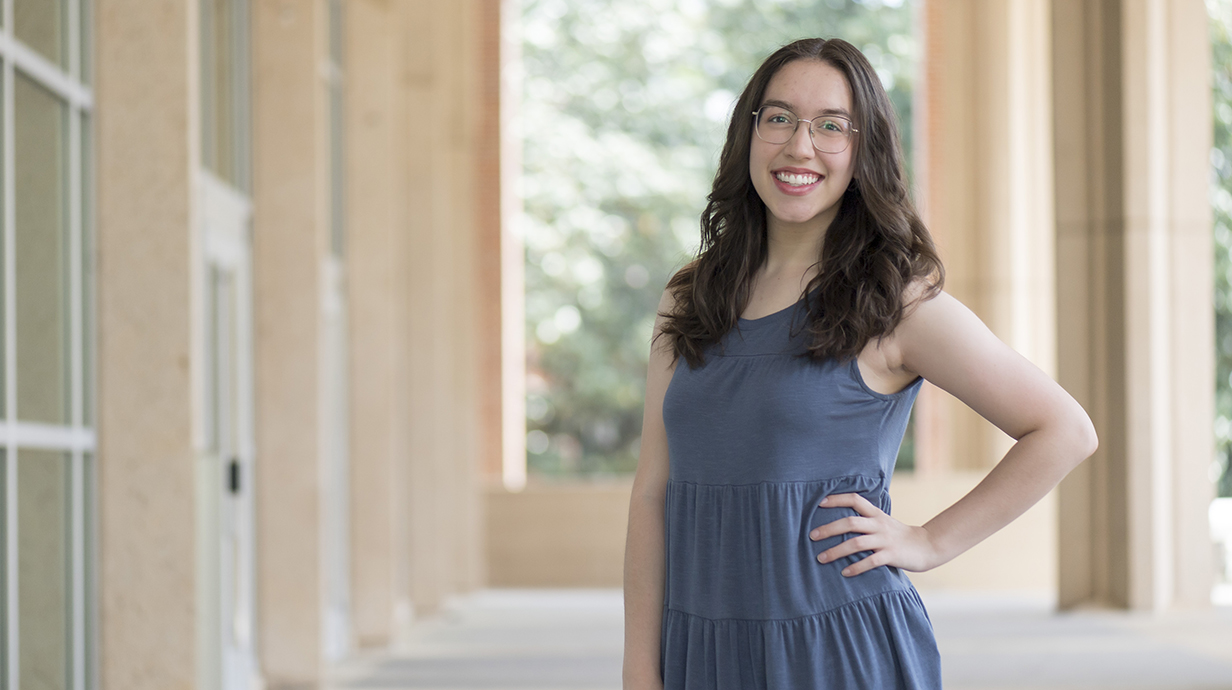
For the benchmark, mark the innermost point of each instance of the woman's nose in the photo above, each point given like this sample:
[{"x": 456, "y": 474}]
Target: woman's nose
[{"x": 801, "y": 143}]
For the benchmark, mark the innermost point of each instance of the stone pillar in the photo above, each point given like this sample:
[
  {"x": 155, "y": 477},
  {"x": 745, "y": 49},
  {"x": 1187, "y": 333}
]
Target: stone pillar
[
  {"x": 371, "y": 266},
  {"x": 147, "y": 132},
  {"x": 987, "y": 169},
  {"x": 1135, "y": 322},
  {"x": 437, "y": 116},
  {"x": 290, "y": 242}
]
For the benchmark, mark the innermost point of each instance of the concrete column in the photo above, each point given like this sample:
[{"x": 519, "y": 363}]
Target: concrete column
[
  {"x": 987, "y": 163},
  {"x": 290, "y": 242},
  {"x": 378, "y": 360},
  {"x": 436, "y": 107},
  {"x": 1136, "y": 319},
  {"x": 148, "y": 133}
]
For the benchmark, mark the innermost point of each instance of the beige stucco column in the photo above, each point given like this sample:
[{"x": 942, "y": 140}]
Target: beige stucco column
[
  {"x": 986, "y": 166},
  {"x": 439, "y": 329},
  {"x": 146, "y": 101},
  {"x": 1135, "y": 318},
  {"x": 290, "y": 243},
  {"x": 377, "y": 364}
]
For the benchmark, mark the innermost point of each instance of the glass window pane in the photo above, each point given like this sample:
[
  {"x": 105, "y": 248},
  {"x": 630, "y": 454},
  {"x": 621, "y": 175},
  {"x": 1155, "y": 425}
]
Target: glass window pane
[
  {"x": 224, "y": 47},
  {"x": 86, "y": 41},
  {"x": 40, "y": 25},
  {"x": 87, "y": 271},
  {"x": 41, "y": 276},
  {"x": 44, "y": 632}
]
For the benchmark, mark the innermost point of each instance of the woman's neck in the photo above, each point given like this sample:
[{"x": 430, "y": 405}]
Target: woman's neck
[{"x": 793, "y": 252}]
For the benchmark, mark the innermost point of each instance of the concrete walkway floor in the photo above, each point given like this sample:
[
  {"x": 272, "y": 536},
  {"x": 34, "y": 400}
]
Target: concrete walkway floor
[{"x": 571, "y": 640}]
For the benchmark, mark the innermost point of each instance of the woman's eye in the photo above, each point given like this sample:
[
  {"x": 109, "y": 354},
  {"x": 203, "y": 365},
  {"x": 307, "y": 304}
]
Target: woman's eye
[
  {"x": 779, "y": 119},
  {"x": 832, "y": 126}
]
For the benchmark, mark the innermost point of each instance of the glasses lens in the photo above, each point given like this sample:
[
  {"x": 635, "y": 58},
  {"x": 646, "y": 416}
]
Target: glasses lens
[
  {"x": 831, "y": 134},
  {"x": 775, "y": 125}
]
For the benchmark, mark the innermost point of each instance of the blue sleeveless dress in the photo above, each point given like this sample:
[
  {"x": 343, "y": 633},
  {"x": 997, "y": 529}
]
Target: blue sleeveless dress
[{"x": 756, "y": 438}]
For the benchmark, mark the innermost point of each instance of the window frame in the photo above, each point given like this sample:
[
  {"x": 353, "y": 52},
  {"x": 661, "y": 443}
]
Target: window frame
[{"x": 77, "y": 439}]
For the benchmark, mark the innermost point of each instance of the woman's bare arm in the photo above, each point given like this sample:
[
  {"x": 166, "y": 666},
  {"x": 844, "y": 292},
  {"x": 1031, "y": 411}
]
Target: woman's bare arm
[
  {"x": 943, "y": 341},
  {"x": 644, "y": 568}
]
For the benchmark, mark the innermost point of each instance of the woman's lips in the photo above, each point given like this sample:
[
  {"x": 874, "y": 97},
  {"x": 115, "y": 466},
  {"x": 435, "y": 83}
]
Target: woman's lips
[{"x": 788, "y": 181}]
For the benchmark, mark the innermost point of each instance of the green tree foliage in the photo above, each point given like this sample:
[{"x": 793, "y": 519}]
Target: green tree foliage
[
  {"x": 625, "y": 105},
  {"x": 1220, "y": 12}
]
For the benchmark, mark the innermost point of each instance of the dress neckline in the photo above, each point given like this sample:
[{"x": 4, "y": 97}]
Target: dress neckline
[
  {"x": 771, "y": 315},
  {"x": 765, "y": 319}
]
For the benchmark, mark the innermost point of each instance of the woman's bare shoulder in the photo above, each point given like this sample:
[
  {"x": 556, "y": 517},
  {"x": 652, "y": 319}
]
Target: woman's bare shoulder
[
  {"x": 916, "y": 295},
  {"x": 919, "y": 291}
]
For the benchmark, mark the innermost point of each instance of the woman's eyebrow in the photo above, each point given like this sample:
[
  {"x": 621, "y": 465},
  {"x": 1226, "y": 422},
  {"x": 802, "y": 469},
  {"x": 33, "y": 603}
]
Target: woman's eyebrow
[{"x": 792, "y": 108}]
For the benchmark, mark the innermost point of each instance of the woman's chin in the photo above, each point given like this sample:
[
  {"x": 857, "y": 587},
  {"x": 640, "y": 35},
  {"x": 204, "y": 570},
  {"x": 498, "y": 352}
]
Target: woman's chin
[{"x": 801, "y": 219}]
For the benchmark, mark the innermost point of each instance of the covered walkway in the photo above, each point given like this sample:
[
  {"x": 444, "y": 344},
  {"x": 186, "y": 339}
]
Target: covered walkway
[{"x": 571, "y": 640}]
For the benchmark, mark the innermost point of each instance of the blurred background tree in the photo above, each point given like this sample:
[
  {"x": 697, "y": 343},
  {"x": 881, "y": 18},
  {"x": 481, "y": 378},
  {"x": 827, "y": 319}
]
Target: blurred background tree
[
  {"x": 1220, "y": 12},
  {"x": 625, "y": 106}
]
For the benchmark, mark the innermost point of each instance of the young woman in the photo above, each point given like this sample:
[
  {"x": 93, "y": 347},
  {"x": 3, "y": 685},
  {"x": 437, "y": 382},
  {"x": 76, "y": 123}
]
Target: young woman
[{"x": 761, "y": 552}]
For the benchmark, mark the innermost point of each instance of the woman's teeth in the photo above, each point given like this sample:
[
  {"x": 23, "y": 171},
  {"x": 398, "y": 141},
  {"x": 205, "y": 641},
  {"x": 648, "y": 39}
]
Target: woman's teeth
[{"x": 797, "y": 180}]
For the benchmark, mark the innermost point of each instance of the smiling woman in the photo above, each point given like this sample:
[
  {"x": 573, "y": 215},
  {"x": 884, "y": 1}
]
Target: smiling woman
[
  {"x": 629, "y": 99},
  {"x": 760, "y": 550}
]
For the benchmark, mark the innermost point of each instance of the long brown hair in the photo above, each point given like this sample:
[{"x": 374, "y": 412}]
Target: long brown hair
[{"x": 873, "y": 249}]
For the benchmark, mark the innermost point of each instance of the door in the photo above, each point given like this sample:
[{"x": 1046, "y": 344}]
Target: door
[{"x": 228, "y": 444}]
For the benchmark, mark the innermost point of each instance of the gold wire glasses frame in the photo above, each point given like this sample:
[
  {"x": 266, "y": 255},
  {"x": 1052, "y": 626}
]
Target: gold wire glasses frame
[{"x": 775, "y": 125}]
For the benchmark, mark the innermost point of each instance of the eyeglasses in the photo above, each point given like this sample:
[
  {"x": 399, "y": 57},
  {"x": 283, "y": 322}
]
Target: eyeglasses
[{"x": 775, "y": 125}]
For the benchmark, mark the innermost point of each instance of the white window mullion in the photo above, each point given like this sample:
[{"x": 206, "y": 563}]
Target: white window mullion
[
  {"x": 46, "y": 436},
  {"x": 47, "y": 73},
  {"x": 76, "y": 369},
  {"x": 78, "y": 572},
  {"x": 76, "y": 366},
  {"x": 10, "y": 358}
]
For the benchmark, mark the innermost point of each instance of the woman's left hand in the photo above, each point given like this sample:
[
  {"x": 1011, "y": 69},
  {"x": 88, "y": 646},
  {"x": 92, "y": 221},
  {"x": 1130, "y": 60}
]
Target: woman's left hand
[{"x": 892, "y": 542}]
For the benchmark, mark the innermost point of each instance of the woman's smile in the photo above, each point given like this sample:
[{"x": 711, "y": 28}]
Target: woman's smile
[{"x": 797, "y": 181}]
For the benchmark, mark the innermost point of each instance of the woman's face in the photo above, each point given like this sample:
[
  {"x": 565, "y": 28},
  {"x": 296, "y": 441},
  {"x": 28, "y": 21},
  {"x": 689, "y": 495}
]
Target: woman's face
[{"x": 800, "y": 185}]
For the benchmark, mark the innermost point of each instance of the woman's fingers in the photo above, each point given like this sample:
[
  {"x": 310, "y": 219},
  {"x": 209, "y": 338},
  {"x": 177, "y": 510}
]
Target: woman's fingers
[
  {"x": 876, "y": 531},
  {"x": 861, "y": 505},
  {"x": 865, "y": 565},
  {"x": 853, "y": 523},
  {"x": 867, "y": 542}
]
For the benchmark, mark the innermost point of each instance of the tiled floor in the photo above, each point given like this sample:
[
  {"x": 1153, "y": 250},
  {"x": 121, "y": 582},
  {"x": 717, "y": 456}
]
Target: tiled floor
[{"x": 571, "y": 640}]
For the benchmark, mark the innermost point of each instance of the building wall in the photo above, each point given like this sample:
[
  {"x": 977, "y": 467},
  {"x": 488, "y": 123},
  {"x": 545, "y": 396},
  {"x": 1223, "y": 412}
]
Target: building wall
[{"x": 417, "y": 336}]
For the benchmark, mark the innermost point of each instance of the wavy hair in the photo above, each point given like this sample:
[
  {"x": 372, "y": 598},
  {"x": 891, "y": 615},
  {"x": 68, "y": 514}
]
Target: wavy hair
[{"x": 874, "y": 248}]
